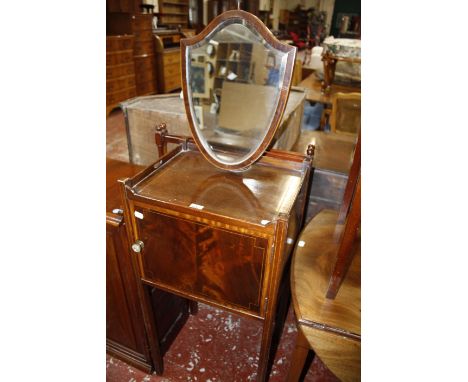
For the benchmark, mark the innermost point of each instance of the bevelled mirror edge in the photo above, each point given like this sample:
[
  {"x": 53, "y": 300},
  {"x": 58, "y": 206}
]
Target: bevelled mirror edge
[{"x": 288, "y": 50}]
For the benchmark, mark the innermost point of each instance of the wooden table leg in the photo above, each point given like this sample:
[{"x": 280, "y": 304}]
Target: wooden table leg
[
  {"x": 271, "y": 307},
  {"x": 299, "y": 357},
  {"x": 267, "y": 334}
]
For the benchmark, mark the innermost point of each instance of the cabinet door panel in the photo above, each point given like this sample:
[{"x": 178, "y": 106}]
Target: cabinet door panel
[
  {"x": 220, "y": 265},
  {"x": 119, "y": 322}
]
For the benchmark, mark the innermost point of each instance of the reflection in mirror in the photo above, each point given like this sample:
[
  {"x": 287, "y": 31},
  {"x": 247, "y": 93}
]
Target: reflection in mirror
[{"x": 235, "y": 77}]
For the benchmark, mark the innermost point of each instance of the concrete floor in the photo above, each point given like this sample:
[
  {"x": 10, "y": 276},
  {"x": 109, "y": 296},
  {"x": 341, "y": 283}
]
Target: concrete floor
[{"x": 213, "y": 345}]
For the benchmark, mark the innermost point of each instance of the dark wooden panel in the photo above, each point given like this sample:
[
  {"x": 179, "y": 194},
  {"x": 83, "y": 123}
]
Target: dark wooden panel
[
  {"x": 220, "y": 265},
  {"x": 124, "y": 321},
  {"x": 125, "y": 330},
  {"x": 164, "y": 306},
  {"x": 119, "y": 323}
]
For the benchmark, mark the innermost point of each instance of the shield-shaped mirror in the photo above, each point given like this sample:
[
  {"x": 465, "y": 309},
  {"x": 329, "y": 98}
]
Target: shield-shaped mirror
[{"x": 235, "y": 77}]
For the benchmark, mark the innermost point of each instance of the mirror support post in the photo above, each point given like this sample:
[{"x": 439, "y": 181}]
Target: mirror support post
[{"x": 159, "y": 137}]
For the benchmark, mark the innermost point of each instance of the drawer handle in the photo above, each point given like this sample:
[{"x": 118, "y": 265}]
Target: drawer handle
[{"x": 137, "y": 246}]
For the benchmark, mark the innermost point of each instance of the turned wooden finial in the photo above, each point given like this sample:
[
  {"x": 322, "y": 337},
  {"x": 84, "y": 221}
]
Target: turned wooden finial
[
  {"x": 161, "y": 132},
  {"x": 310, "y": 150}
]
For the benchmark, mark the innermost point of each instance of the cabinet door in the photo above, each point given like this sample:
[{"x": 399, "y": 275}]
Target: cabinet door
[
  {"x": 215, "y": 264},
  {"x": 124, "y": 323}
]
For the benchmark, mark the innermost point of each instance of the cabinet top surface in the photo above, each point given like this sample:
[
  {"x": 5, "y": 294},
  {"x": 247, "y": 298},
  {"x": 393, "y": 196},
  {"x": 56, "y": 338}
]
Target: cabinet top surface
[{"x": 258, "y": 195}]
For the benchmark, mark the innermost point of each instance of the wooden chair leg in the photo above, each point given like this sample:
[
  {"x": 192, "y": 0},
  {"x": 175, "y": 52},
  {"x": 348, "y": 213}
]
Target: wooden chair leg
[{"x": 299, "y": 357}]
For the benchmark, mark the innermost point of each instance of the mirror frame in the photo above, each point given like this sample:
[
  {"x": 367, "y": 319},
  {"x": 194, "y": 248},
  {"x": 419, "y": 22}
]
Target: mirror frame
[{"x": 283, "y": 94}]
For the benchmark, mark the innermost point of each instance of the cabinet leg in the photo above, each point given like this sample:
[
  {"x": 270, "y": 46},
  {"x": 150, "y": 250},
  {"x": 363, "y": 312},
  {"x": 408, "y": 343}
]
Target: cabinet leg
[
  {"x": 267, "y": 335},
  {"x": 151, "y": 330},
  {"x": 298, "y": 358},
  {"x": 193, "y": 307}
]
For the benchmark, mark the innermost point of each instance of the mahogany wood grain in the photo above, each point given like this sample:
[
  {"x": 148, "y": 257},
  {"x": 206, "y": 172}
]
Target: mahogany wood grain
[
  {"x": 341, "y": 355},
  {"x": 290, "y": 51},
  {"x": 354, "y": 174},
  {"x": 126, "y": 336},
  {"x": 345, "y": 253},
  {"x": 126, "y": 331},
  {"x": 299, "y": 356},
  {"x": 332, "y": 327},
  {"x": 120, "y": 73},
  {"x": 217, "y": 264}
]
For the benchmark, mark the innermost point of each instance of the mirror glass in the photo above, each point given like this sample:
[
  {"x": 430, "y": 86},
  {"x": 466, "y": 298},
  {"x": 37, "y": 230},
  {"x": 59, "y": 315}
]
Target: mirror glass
[{"x": 234, "y": 79}]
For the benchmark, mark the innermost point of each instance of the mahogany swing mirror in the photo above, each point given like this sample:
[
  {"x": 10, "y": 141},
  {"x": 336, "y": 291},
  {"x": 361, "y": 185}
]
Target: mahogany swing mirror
[{"x": 235, "y": 78}]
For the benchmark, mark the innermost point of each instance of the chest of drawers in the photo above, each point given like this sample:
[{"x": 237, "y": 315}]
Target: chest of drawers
[{"x": 120, "y": 72}]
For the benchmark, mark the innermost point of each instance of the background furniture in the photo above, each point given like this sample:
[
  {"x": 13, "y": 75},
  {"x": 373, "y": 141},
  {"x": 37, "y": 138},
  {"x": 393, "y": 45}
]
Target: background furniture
[
  {"x": 120, "y": 71},
  {"x": 140, "y": 26},
  {"x": 331, "y": 328},
  {"x": 314, "y": 94},
  {"x": 173, "y": 13},
  {"x": 345, "y": 116},
  {"x": 167, "y": 47},
  {"x": 124, "y": 6},
  {"x": 145, "y": 58},
  {"x": 313, "y": 87},
  {"x": 329, "y": 66},
  {"x": 126, "y": 336},
  {"x": 143, "y": 114},
  {"x": 332, "y": 162},
  {"x": 325, "y": 285}
]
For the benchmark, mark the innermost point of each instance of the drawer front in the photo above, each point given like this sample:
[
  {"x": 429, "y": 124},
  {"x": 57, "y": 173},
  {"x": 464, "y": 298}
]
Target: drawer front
[
  {"x": 215, "y": 264},
  {"x": 120, "y": 70},
  {"x": 119, "y": 43},
  {"x": 172, "y": 70},
  {"x": 171, "y": 58},
  {"x": 120, "y": 84},
  {"x": 121, "y": 57},
  {"x": 172, "y": 83}
]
